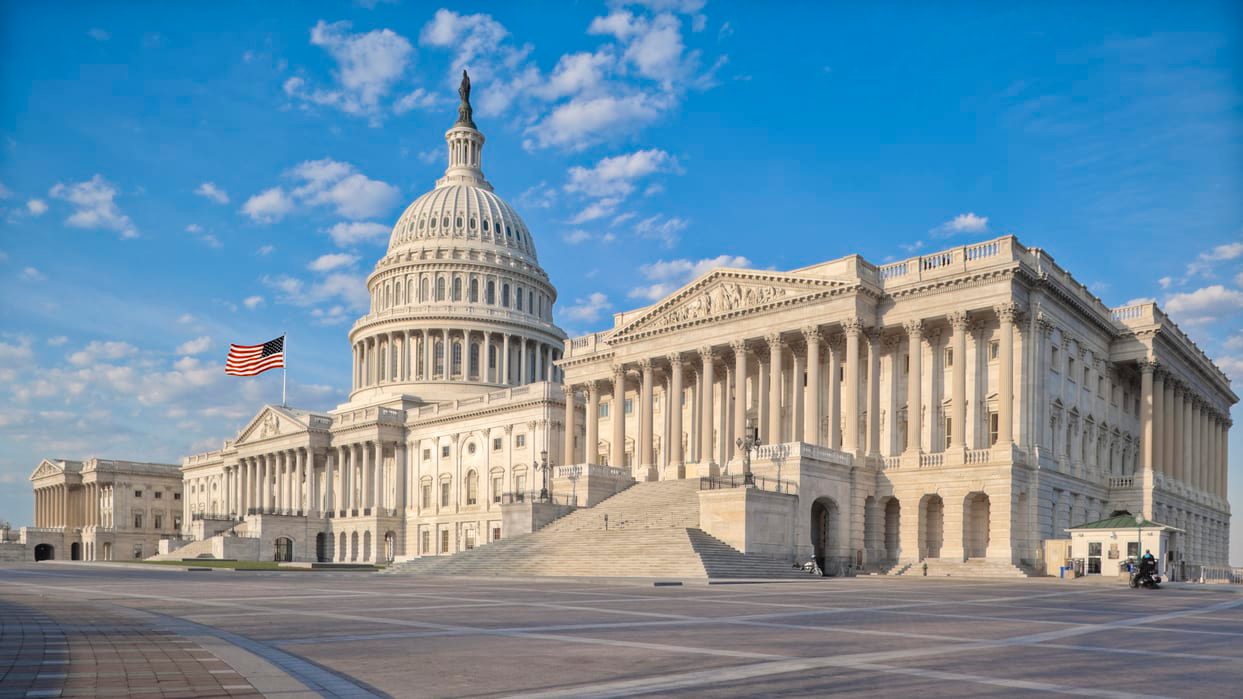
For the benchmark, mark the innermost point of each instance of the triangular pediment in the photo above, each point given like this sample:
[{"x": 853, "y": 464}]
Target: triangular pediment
[
  {"x": 46, "y": 468},
  {"x": 271, "y": 422},
  {"x": 724, "y": 293}
]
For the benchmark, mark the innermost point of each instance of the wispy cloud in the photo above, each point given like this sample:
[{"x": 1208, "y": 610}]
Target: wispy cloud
[{"x": 94, "y": 206}]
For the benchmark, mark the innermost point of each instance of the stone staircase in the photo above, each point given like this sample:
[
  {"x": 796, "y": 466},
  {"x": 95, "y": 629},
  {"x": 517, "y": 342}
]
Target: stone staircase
[
  {"x": 652, "y": 532},
  {"x": 970, "y": 568}
]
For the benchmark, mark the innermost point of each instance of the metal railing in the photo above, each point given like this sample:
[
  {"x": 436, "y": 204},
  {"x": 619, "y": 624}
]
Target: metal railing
[
  {"x": 1212, "y": 574},
  {"x": 534, "y": 496},
  {"x": 772, "y": 485}
]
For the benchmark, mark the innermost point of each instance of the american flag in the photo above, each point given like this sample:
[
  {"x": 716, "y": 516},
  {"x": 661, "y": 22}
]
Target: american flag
[{"x": 249, "y": 360}]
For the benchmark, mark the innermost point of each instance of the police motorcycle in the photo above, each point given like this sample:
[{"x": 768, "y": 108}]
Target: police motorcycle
[{"x": 1144, "y": 574}]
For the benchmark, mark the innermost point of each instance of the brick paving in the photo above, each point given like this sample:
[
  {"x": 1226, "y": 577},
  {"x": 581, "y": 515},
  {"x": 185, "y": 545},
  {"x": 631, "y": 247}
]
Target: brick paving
[{"x": 51, "y": 647}]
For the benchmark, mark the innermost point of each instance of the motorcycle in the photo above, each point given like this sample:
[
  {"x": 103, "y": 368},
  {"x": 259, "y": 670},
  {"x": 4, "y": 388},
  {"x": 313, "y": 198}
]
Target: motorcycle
[{"x": 1145, "y": 575}]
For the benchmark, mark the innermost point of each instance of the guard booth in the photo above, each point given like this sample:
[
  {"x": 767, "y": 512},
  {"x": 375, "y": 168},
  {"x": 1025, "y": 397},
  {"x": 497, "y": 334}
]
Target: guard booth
[{"x": 1107, "y": 544}]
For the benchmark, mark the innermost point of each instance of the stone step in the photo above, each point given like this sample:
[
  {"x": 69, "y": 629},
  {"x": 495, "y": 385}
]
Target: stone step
[{"x": 971, "y": 568}]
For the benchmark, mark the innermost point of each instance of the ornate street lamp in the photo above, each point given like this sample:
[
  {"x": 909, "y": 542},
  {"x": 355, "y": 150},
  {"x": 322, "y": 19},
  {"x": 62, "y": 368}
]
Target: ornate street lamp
[
  {"x": 543, "y": 465},
  {"x": 748, "y": 444}
]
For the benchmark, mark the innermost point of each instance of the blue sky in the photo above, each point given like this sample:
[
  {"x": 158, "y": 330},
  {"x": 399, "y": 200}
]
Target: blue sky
[{"x": 177, "y": 176}]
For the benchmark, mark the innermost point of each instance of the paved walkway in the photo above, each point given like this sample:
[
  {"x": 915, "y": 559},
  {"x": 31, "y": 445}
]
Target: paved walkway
[{"x": 343, "y": 634}]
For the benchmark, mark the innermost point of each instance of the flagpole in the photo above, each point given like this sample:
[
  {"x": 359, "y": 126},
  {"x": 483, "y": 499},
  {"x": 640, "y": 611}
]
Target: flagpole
[{"x": 284, "y": 367}]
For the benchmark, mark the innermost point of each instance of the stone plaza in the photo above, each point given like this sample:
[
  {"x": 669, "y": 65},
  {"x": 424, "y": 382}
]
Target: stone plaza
[{"x": 111, "y": 630}]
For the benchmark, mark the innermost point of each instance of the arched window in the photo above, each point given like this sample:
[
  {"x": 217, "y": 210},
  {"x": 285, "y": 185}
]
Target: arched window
[
  {"x": 440, "y": 288},
  {"x": 457, "y": 288},
  {"x": 472, "y": 488},
  {"x": 518, "y": 298},
  {"x": 491, "y": 298},
  {"x": 474, "y": 360},
  {"x": 505, "y": 294},
  {"x": 397, "y": 293},
  {"x": 457, "y": 358},
  {"x": 474, "y": 291},
  {"x": 438, "y": 358},
  {"x": 423, "y": 290},
  {"x": 531, "y": 301}
]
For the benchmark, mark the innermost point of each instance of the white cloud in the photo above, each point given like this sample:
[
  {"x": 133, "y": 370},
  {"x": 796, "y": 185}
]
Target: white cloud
[
  {"x": 576, "y": 73},
  {"x": 36, "y": 207},
  {"x": 596, "y": 209},
  {"x": 331, "y": 261},
  {"x": 1205, "y": 261},
  {"x": 1204, "y": 305},
  {"x": 478, "y": 42},
  {"x": 335, "y": 287},
  {"x": 576, "y": 236},
  {"x": 198, "y": 345},
  {"x": 197, "y": 231},
  {"x": 1139, "y": 300},
  {"x": 962, "y": 223},
  {"x": 726, "y": 31},
  {"x": 1238, "y": 279},
  {"x": 98, "y": 34},
  {"x": 57, "y": 341},
  {"x": 333, "y": 315},
  {"x": 5, "y": 192},
  {"x": 212, "y": 192},
  {"x": 660, "y": 228},
  {"x": 368, "y": 67},
  {"x": 94, "y": 206},
  {"x": 30, "y": 274},
  {"x": 268, "y": 206},
  {"x": 252, "y": 302},
  {"x": 539, "y": 196},
  {"x": 1165, "y": 282},
  {"x": 670, "y": 275},
  {"x": 265, "y": 250},
  {"x": 345, "y": 234},
  {"x": 324, "y": 182},
  {"x": 586, "y": 310},
  {"x": 585, "y": 121},
  {"x": 97, "y": 351},
  {"x": 419, "y": 99},
  {"x": 615, "y": 176}
]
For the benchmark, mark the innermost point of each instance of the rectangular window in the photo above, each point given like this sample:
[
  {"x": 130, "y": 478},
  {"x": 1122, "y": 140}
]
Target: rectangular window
[
  {"x": 444, "y": 451},
  {"x": 137, "y": 552},
  {"x": 949, "y": 356},
  {"x": 159, "y": 522},
  {"x": 1070, "y": 368},
  {"x": 1132, "y": 549},
  {"x": 427, "y": 495},
  {"x": 472, "y": 490},
  {"x": 137, "y": 493},
  {"x": 470, "y": 539},
  {"x": 176, "y": 496},
  {"x": 497, "y": 443},
  {"x": 444, "y": 494},
  {"x": 1054, "y": 358},
  {"x": 177, "y": 522},
  {"x": 604, "y": 410},
  {"x": 992, "y": 428},
  {"x": 1100, "y": 386},
  {"x": 520, "y": 483},
  {"x": 427, "y": 454},
  {"x": 496, "y": 533},
  {"x": 1087, "y": 374},
  {"x": 994, "y": 350},
  {"x": 520, "y": 440},
  {"x": 138, "y": 521},
  {"x": 498, "y": 484},
  {"x": 949, "y": 428},
  {"x": 158, "y": 495},
  {"x": 629, "y": 406},
  {"x": 427, "y": 541},
  {"x": 444, "y": 541}
]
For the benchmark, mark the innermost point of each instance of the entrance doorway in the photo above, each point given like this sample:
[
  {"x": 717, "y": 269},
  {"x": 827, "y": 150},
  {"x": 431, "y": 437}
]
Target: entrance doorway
[
  {"x": 284, "y": 549},
  {"x": 931, "y": 526},
  {"x": 45, "y": 552},
  {"x": 825, "y": 532},
  {"x": 893, "y": 519},
  {"x": 322, "y": 542},
  {"x": 75, "y": 551},
  {"x": 975, "y": 514}
]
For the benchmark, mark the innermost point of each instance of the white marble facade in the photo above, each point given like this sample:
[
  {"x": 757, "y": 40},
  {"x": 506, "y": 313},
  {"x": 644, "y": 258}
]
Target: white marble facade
[{"x": 965, "y": 404}]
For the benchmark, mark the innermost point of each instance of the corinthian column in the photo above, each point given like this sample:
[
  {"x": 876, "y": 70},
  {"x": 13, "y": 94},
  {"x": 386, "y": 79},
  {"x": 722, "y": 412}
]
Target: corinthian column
[
  {"x": 811, "y": 396},
  {"x": 646, "y": 395},
  {"x": 775, "y": 351},
  {"x": 850, "y": 402},
  {"x": 1145, "y": 413},
  {"x": 914, "y": 386},
  {"x": 567, "y": 454},
  {"x": 1158, "y": 423},
  {"x": 675, "y": 411},
  {"x": 740, "y": 393},
  {"x": 873, "y": 392},
  {"x": 591, "y": 450},
  {"x": 1005, "y": 374},
  {"x": 617, "y": 416},
  {"x": 958, "y": 391},
  {"x": 706, "y": 432}
]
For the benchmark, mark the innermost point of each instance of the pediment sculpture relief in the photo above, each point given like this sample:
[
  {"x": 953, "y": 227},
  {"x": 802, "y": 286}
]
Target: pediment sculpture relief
[
  {"x": 719, "y": 299},
  {"x": 271, "y": 426}
]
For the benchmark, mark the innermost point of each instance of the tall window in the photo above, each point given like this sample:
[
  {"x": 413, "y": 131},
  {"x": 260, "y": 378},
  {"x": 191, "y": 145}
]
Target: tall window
[
  {"x": 426, "y": 497},
  {"x": 474, "y": 291},
  {"x": 444, "y": 493},
  {"x": 520, "y": 483},
  {"x": 427, "y": 541},
  {"x": 457, "y": 288},
  {"x": 505, "y": 295},
  {"x": 440, "y": 289},
  {"x": 138, "y": 520},
  {"x": 470, "y": 539},
  {"x": 604, "y": 409},
  {"x": 423, "y": 290},
  {"x": 474, "y": 360},
  {"x": 992, "y": 428},
  {"x": 498, "y": 484},
  {"x": 491, "y": 298},
  {"x": 518, "y": 298},
  {"x": 949, "y": 428},
  {"x": 438, "y": 357},
  {"x": 472, "y": 488},
  {"x": 457, "y": 358},
  {"x": 444, "y": 541}
]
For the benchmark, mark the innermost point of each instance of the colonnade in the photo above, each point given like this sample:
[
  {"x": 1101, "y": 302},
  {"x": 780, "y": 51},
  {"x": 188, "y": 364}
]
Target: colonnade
[
  {"x": 453, "y": 354},
  {"x": 52, "y": 506},
  {"x": 1184, "y": 437},
  {"x": 345, "y": 480},
  {"x": 839, "y": 414}
]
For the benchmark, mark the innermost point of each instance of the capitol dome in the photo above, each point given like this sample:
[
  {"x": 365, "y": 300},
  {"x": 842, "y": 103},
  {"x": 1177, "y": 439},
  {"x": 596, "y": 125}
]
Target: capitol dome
[{"x": 459, "y": 303}]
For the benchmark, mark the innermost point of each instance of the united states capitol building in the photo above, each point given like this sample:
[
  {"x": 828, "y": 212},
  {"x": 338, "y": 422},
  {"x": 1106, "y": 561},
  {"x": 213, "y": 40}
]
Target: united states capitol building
[{"x": 959, "y": 408}]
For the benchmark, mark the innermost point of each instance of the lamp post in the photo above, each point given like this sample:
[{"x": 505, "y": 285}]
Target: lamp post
[
  {"x": 573, "y": 472},
  {"x": 747, "y": 444},
  {"x": 543, "y": 465}
]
